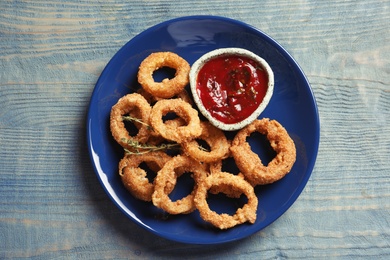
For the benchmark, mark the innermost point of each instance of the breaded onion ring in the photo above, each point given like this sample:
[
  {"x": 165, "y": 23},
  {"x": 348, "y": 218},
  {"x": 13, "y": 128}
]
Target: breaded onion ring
[
  {"x": 249, "y": 162},
  {"x": 215, "y": 138},
  {"x": 168, "y": 87},
  {"x": 182, "y": 109},
  {"x": 135, "y": 178},
  {"x": 136, "y": 106},
  {"x": 168, "y": 175},
  {"x": 226, "y": 180}
]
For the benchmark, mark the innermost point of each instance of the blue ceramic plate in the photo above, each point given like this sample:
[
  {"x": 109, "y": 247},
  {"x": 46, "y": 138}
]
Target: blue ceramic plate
[{"x": 292, "y": 104}]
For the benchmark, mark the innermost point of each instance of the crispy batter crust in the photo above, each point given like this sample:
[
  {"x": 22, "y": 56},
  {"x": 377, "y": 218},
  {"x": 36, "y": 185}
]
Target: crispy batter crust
[
  {"x": 182, "y": 109},
  {"x": 135, "y": 105},
  {"x": 168, "y": 175},
  {"x": 168, "y": 87},
  {"x": 135, "y": 178},
  {"x": 215, "y": 168},
  {"x": 215, "y": 138},
  {"x": 249, "y": 162},
  {"x": 226, "y": 180}
]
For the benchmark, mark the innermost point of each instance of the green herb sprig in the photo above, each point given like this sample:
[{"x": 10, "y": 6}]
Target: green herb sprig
[{"x": 140, "y": 148}]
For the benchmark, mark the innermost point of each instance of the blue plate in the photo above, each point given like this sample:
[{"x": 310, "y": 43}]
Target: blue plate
[{"x": 292, "y": 104}]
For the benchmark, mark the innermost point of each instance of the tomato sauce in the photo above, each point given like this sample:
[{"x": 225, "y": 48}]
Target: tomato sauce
[{"x": 231, "y": 87}]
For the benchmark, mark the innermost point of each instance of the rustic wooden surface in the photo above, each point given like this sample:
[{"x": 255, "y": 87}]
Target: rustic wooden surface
[{"x": 51, "y": 55}]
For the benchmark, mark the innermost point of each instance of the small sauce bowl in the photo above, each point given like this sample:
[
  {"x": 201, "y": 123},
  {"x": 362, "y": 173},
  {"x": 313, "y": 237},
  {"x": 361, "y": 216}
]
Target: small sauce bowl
[{"x": 231, "y": 87}]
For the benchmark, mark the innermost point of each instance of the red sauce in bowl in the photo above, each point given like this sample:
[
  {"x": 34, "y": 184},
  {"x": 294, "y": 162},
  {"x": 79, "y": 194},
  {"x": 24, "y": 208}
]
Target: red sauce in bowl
[{"x": 231, "y": 87}]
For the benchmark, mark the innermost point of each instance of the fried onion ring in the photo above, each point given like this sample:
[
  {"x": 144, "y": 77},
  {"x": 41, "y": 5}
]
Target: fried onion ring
[
  {"x": 250, "y": 163},
  {"x": 182, "y": 109},
  {"x": 215, "y": 138},
  {"x": 135, "y": 105},
  {"x": 225, "y": 180},
  {"x": 135, "y": 178},
  {"x": 168, "y": 175},
  {"x": 168, "y": 87}
]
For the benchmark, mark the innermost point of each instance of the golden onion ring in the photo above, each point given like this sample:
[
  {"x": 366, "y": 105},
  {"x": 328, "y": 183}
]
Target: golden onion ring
[
  {"x": 250, "y": 163},
  {"x": 135, "y": 105},
  {"x": 135, "y": 178},
  {"x": 168, "y": 175},
  {"x": 215, "y": 138},
  {"x": 168, "y": 87},
  {"x": 224, "y": 181},
  {"x": 183, "y": 110}
]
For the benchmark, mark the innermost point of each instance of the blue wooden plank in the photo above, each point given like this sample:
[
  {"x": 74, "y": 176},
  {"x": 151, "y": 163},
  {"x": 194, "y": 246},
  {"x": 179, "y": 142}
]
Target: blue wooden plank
[{"x": 51, "y": 55}]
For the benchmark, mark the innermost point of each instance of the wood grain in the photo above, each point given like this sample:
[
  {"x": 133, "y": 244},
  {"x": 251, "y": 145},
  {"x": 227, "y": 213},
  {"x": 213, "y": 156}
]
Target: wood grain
[{"x": 51, "y": 55}]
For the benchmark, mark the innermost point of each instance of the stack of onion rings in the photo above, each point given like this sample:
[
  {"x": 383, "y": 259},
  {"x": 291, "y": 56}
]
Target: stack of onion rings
[{"x": 149, "y": 106}]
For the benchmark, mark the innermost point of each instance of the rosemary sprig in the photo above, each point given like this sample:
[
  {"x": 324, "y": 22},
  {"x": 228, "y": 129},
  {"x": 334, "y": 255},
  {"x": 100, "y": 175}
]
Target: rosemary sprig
[
  {"x": 134, "y": 119},
  {"x": 204, "y": 149},
  {"x": 146, "y": 148}
]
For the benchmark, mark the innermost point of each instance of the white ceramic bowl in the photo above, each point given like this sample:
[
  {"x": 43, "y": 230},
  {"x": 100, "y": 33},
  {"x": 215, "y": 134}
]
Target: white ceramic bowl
[{"x": 195, "y": 68}]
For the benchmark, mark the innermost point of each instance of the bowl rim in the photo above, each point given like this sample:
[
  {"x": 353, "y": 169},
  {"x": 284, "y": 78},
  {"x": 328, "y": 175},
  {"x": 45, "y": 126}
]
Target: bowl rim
[{"x": 221, "y": 52}]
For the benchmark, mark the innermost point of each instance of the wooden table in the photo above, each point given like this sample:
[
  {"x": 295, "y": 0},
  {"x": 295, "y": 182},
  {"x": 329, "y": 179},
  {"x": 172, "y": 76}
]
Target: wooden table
[{"x": 51, "y": 55}]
